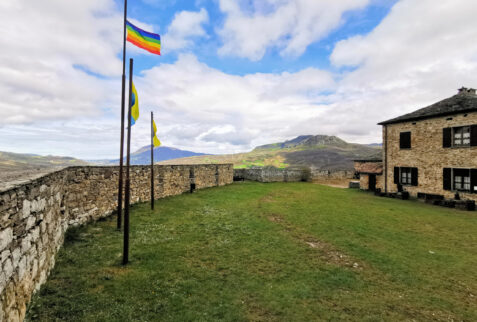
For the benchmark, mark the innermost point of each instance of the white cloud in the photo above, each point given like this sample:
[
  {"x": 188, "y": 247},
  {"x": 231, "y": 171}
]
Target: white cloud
[
  {"x": 419, "y": 54},
  {"x": 185, "y": 26},
  {"x": 49, "y": 49},
  {"x": 289, "y": 25},
  {"x": 203, "y": 109}
]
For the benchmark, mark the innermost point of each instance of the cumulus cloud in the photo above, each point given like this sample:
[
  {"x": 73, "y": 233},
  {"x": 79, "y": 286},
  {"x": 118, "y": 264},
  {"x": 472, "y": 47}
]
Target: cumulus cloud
[
  {"x": 50, "y": 52},
  {"x": 202, "y": 108},
  {"x": 420, "y": 53},
  {"x": 289, "y": 25},
  {"x": 185, "y": 26}
]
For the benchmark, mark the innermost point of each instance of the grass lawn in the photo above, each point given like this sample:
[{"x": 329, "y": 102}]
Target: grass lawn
[{"x": 281, "y": 251}]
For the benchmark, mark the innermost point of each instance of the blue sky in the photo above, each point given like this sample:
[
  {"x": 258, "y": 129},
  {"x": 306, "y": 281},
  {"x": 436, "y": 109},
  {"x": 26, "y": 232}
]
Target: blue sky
[
  {"x": 160, "y": 14},
  {"x": 234, "y": 74}
]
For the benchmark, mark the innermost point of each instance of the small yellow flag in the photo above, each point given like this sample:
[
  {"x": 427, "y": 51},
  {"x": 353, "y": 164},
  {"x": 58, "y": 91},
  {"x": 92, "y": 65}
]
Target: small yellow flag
[
  {"x": 154, "y": 127},
  {"x": 155, "y": 140},
  {"x": 134, "y": 105}
]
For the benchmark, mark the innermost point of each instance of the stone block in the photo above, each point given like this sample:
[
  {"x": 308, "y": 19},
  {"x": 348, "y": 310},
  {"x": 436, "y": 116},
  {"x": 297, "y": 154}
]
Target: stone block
[
  {"x": 3, "y": 283},
  {"x": 43, "y": 188},
  {"x": 22, "y": 267},
  {"x": 5, "y": 254},
  {"x": 35, "y": 206},
  {"x": 35, "y": 234},
  {"x": 16, "y": 256},
  {"x": 26, "y": 243},
  {"x": 34, "y": 269},
  {"x": 8, "y": 269},
  {"x": 30, "y": 223},
  {"x": 6, "y": 237},
  {"x": 26, "y": 208}
]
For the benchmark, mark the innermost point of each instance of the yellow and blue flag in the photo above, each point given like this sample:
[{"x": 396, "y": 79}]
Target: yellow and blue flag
[
  {"x": 155, "y": 140},
  {"x": 134, "y": 105}
]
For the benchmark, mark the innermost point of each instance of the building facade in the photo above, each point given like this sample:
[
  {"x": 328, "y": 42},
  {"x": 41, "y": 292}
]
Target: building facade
[
  {"x": 370, "y": 174},
  {"x": 433, "y": 151}
]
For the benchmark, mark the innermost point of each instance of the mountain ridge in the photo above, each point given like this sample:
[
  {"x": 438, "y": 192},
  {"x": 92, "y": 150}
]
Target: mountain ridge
[
  {"x": 323, "y": 152},
  {"x": 142, "y": 156}
]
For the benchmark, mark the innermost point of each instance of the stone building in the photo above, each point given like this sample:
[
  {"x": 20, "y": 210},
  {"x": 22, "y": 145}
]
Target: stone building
[
  {"x": 433, "y": 151},
  {"x": 370, "y": 173}
]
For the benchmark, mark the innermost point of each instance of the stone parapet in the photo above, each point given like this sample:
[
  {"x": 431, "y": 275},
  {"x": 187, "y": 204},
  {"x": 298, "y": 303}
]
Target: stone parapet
[
  {"x": 35, "y": 216},
  {"x": 271, "y": 174}
]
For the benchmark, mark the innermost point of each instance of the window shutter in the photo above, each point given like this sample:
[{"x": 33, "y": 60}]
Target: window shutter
[
  {"x": 447, "y": 137},
  {"x": 473, "y": 180},
  {"x": 396, "y": 175},
  {"x": 473, "y": 135},
  {"x": 447, "y": 179},
  {"x": 414, "y": 174},
  {"x": 405, "y": 140}
]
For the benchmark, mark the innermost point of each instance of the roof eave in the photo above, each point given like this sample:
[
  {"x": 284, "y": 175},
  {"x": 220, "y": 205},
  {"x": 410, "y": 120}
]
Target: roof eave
[{"x": 419, "y": 118}]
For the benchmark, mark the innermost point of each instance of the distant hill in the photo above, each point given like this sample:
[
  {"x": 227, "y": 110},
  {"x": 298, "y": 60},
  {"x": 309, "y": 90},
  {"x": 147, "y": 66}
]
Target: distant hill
[
  {"x": 143, "y": 155},
  {"x": 20, "y": 161},
  {"x": 16, "y": 168},
  {"x": 318, "y": 151}
]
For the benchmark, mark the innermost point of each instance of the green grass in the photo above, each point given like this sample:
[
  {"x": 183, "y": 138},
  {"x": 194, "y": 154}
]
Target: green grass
[{"x": 284, "y": 251}]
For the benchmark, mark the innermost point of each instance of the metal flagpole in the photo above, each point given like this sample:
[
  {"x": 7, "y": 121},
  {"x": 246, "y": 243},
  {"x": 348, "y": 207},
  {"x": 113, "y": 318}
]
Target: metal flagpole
[
  {"x": 128, "y": 152},
  {"x": 152, "y": 162},
  {"x": 120, "y": 183}
]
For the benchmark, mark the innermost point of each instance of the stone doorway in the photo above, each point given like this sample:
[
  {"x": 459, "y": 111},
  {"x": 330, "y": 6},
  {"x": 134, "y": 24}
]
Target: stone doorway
[{"x": 372, "y": 182}]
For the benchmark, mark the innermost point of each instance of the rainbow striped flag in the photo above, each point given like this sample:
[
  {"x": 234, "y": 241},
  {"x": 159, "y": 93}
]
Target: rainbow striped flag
[{"x": 143, "y": 39}]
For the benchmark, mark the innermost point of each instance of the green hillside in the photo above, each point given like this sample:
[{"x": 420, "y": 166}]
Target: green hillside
[
  {"x": 318, "y": 151},
  {"x": 18, "y": 161}
]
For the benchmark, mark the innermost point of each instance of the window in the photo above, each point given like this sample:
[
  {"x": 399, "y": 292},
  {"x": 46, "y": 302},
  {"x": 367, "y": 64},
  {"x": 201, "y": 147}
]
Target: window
[
  {"x": 460, "y": 179},
  {"x": 461, "y": 136},
  {"x": 405, "y": 140},
  {"x": 405, "y": 175}
]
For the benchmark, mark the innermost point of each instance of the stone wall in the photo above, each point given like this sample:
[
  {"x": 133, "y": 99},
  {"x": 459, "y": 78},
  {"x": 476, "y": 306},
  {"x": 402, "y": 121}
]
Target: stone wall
[
  {"x": 364, "y": 181},
  {"x": 332, "y": 174},
  {"x": 427, "y": 153},
  {"x": 35, "y": 216},
  {"x": 271, "y": 174}
]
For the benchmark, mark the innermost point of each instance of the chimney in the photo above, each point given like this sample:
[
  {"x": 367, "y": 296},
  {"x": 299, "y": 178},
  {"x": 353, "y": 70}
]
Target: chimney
[{"x": 468, "y": 91}]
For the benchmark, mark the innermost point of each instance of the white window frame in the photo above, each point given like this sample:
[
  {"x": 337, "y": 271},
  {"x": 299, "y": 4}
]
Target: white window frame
[
  {"x": 464, "y": 182},
  {"x": 461, "y": 136},
  {"x": 406, "y": 175}
]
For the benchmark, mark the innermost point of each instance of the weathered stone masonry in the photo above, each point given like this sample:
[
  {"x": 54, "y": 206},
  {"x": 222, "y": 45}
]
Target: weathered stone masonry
[
  {"x": 35, "y": 216},
  {"x": 271, "y": 174},
  {"x": 425, "y": 144},
  {"x": 428, "y": 155}
]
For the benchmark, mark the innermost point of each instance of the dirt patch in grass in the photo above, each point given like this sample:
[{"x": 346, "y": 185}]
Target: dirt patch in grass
[
  {"x": 327, "y": 251},
  {"x": 116, "y": 271},
  {"x": 268, "y": 198},
  {"x": 275, "y": 218},
  {"x": 335, "y": 183},
  {"x": 256, "y": 312}
]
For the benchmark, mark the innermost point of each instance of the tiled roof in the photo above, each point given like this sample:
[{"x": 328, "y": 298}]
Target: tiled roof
[
  {"x": 465, "y": 101},
  {"x": 369, "y": 167}
]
